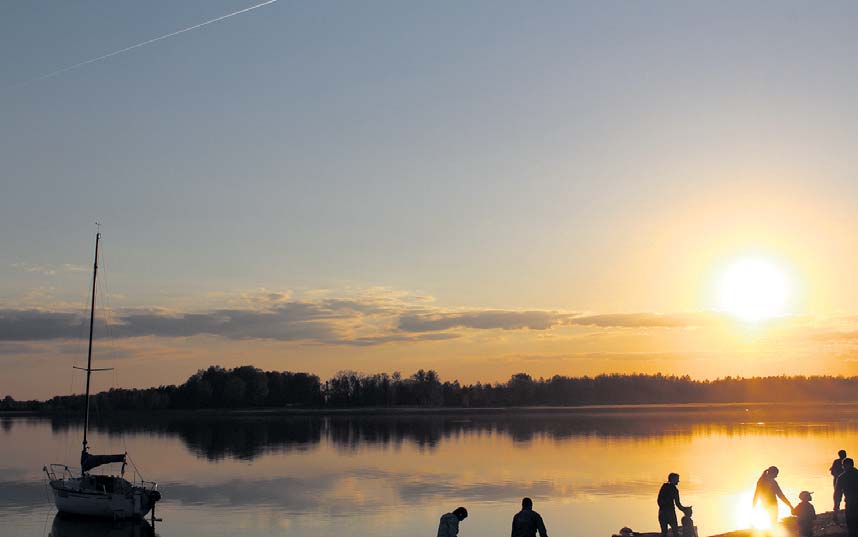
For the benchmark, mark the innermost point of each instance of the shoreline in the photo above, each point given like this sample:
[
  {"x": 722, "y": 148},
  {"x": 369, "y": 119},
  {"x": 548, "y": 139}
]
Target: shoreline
[{"x": 454, "y": 411}]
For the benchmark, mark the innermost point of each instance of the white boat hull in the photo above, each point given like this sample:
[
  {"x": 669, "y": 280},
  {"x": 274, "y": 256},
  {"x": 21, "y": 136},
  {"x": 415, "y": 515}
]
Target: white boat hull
[{"x": 131, "y": 503}]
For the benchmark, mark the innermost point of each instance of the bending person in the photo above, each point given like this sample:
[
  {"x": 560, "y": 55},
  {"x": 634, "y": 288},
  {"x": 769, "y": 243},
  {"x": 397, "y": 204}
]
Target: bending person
[
  {"x": 449, "y": 524},
  {"x": 767, "y": 493},
  {"x": 668, "y": 496}
]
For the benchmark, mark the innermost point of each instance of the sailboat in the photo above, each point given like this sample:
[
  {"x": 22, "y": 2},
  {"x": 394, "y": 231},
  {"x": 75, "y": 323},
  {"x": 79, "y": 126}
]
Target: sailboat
[{"x": 97, "y": 495}]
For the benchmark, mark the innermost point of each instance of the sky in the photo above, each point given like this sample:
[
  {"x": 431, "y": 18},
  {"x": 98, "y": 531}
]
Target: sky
[{"x": 479, "y": 188}]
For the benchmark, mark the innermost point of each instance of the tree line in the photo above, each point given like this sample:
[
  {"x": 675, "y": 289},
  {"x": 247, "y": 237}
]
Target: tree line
[{"x": 251, "y": 387}]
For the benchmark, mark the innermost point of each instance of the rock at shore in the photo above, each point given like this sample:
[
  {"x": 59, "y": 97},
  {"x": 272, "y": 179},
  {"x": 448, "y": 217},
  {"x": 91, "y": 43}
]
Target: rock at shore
[{"x": 824, "y": 526}]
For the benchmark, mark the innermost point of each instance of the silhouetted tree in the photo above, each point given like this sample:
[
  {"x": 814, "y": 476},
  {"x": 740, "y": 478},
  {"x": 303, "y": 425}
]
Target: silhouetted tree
[{"x": 248, "y": 386}]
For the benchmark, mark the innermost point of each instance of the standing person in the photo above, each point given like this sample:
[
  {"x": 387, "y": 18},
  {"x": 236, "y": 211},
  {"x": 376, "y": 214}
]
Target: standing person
[
  {"x": 768, "y": 491},
  {"x": 668, "y": 496},
  {"x": 847, "y": 485},
  {"x": 527, "y": 522},
  {"x": 835, "y": 471},
  {"x": 449, "y": 524},
  {"x": 837, "y": 466}
]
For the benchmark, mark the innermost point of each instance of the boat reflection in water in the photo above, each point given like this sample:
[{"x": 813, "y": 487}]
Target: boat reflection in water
[{"x": 72, "y": 526}]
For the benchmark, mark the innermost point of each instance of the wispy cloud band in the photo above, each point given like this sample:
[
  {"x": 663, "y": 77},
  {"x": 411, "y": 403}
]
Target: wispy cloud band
[{"x": 363, "y": 321}]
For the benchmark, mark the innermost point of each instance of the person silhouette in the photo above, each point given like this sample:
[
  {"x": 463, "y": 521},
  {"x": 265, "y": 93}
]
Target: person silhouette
[
  {"x": 767, "y": 493},
  {"x": 449, "y": 523},
  {"x": 837, "y": 466},
  {"x": 835, "y": 471},
  {"x": 688, "y": 528},
  {"x": 527, "y": 522},
  {"x": 668, "y": 497},
  {"x": 805, "y": 514},
  {"x": 847, "y": 485}
]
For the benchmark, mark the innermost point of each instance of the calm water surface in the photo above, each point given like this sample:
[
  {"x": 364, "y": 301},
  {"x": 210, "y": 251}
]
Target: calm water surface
[{"x": 589, "y": 472}]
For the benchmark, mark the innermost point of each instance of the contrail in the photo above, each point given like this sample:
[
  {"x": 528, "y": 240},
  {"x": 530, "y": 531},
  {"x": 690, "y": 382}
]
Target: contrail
[{"x": 143, "y": 44}]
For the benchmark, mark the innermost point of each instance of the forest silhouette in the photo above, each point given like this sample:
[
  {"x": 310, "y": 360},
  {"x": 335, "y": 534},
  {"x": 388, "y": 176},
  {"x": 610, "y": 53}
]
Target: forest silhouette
[{"x": 250, "y": 387}]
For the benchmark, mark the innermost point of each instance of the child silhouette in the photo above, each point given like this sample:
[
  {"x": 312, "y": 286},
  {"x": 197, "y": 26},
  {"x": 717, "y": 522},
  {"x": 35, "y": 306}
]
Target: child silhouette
[{"x": 688, "y": 528}]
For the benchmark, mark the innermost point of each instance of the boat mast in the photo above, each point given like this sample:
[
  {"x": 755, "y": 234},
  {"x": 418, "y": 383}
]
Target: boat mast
[{"x": 89, "y": 352}]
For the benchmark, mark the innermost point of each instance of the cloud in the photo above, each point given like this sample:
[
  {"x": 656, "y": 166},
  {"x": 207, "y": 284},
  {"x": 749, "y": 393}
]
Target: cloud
[
  {"x": 363, "y": 321},
  {"x": 367, "y": 341},
  {"x": 36, "y": 325},
  {"x": 483, "y": 320},
  {"x": 13, "y": 348},
  {"x": 849, "y": 336},
  {"x": 648, "y": 320},
  {"x": 47, "y": 348},
  {"x": 288, "y": 321},
  {"x": 589, "y": 357},
  {"x": 546, "y": 319},
  {"x": 49, "y": 270},
  {"x": 366, "y": 318},
  {"x": 35, "y": 269},
  {"x": 369, "y": 317},
  {"x": 268, "y": 297},
  {"x": 367, "y": 307}
]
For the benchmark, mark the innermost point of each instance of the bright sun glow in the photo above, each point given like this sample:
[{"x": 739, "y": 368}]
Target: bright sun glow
[
  {"x": 759, "y": 519},
  {"x": 756, "y": 518},
  {"x": 753, "y": 290}
]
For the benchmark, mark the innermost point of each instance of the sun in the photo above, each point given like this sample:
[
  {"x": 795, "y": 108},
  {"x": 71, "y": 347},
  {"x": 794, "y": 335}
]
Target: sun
[{"x": 753, "y": 290}]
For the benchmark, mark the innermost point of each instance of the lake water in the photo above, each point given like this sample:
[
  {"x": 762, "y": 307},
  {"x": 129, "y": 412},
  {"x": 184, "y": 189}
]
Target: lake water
[{"x": 589, "y": 471}]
